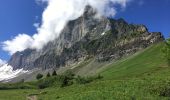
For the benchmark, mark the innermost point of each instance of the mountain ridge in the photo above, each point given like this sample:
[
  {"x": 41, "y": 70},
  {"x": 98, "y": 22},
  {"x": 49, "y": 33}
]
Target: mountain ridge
[{"x": 88, "y": 37}]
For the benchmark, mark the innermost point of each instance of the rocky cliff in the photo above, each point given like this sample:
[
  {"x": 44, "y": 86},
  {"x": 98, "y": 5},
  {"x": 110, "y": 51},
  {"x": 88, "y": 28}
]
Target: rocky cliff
[{"x": 88, "y": 37}]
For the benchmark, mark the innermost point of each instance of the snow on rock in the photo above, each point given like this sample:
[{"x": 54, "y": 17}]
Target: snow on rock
[
  {"x": 7, "y": 72},
  {"x": 103, "y": 33},
  {"x": 2, "y": 62}
]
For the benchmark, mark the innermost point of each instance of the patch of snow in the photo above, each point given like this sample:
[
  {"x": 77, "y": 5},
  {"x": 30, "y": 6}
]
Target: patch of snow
[
  {"x": 7, "y": 72},
  {"x": 103, "y": 33}
]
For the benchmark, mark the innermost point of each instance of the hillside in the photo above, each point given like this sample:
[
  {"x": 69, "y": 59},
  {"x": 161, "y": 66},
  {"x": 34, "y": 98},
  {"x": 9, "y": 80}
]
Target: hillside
[
  {"x": 143, "y": 76},
  {"x": 145, "y": 62}
]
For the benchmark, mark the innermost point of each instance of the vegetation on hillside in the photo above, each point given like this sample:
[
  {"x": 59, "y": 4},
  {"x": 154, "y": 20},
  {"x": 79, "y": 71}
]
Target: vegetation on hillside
[
  {"x": 48, "y": 75},
  {"x": 66, "y": 79},
  {"x": 166, "y": 51},
  {"x": 54, "y": 73},
  {"x": 143, "y": 76},
  {"x": 39, "y": 76}
]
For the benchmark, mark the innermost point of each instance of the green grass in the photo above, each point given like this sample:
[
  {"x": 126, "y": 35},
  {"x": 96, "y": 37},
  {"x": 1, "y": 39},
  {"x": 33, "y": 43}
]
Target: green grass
[
  {"x": 143, "y": 76},
  {"x": 18, "y": 94},
  {"x": 146, "y": 62}
]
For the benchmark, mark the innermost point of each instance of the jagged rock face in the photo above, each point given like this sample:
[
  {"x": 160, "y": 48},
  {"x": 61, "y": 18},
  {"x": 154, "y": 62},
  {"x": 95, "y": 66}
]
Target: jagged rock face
[{"x": 103, "y": 39}]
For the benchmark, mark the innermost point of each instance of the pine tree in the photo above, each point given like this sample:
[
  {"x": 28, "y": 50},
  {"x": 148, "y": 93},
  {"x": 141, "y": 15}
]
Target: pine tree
[
  {"x": 54, "y": 73},
  {"x": 48, "y": 74},
  {"x": 39, "y": 76}
]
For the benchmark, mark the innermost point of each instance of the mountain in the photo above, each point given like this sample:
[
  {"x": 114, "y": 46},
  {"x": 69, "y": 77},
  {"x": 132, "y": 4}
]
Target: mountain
[{"x": 102, "y": 39}]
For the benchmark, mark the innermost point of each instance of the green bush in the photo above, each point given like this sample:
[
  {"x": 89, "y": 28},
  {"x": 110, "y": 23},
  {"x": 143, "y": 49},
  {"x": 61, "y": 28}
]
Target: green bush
[
  {"x": 67, "y": 78},
  {"x": 39, "y": 76},
  {"x": 81, "y": 80},
  {"x": 43, "y": 84},
  {"x": 85, "y": 80},
  {"x": 47, "y": 82}
]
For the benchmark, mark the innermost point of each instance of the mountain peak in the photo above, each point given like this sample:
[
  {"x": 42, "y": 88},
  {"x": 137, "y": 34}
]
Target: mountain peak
[{"x": 103, "y": 39}]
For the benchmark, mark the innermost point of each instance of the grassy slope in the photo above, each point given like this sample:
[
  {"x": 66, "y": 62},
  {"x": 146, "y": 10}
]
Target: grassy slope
[
  {"x": 146, "y": 62},
  {"x": 142, "y": 76}
]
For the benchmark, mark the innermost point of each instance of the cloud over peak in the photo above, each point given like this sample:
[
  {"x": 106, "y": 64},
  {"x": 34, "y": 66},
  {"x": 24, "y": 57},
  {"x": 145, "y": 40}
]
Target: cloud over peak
[
  {"x": 55, "y": 17},
  {"x": 19, "y": 43}
]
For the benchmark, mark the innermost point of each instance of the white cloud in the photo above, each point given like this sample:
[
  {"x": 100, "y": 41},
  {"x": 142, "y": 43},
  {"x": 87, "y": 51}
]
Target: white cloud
[
  {"x": 19, "y": 43},
  {"x": 55, "y": 17},
  {"x": 36, "y": 25}
]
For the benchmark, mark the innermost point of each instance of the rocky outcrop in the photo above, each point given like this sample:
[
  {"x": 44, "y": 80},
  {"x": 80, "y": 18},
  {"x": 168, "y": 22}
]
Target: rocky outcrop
[{"x": 103, "y": 39}]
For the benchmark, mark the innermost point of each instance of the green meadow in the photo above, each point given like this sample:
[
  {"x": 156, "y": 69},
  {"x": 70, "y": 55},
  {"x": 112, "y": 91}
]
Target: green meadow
[{"x": 142, "y": 76}]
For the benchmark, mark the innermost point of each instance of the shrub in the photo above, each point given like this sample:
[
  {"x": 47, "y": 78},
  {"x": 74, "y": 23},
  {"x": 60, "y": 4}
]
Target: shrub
[
  {"x": 67, "y": 78},
  {"x": 43, "y": 84},
  {"x": 99, "y": 76},
  {"x": 84, "y": 80},
  {"x": 69, "y": 74},
  {"x": 46, "y": 82},
  {"x": 81, "y": 80},
  {"x": 39, "y": 76},
  {"x": 21, "y": 81},
  {"x": 64, "y": 81}
]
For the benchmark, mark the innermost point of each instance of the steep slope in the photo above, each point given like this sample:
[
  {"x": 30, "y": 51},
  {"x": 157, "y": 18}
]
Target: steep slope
[
  {"x": 93, "y": 65},
  {"x": 143, "y": 76},
  {"x": 142, "y": 62},
  {"x": 146, "y": 62},
  {"x": 88, "y": 37}
]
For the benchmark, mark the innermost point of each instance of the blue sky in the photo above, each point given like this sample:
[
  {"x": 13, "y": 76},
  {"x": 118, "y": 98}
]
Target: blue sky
[{"x": 18, "y": 16}]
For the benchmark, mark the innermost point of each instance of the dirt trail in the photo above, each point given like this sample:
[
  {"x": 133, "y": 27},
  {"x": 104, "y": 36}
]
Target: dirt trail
[{"x": 32, "y": 97}]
